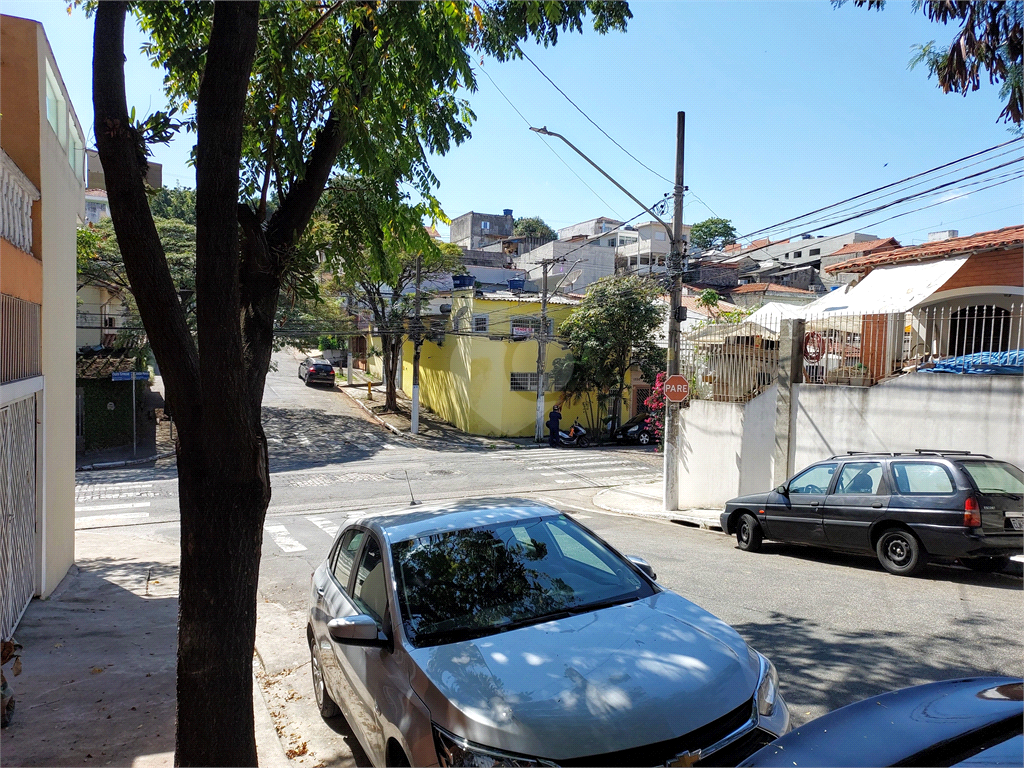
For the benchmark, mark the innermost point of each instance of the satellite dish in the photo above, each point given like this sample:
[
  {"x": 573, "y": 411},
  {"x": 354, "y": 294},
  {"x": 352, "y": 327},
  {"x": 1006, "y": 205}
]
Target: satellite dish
[{"x": 573, "y": 276}]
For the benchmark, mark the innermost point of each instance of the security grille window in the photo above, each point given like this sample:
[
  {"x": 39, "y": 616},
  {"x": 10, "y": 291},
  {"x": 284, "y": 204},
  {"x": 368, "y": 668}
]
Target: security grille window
[
  {"x": 485, "y": 225},
  {"x": 480, "y": 323},
  {"x": 523, "y": 382},
  {"x": 525, "y": 325}
]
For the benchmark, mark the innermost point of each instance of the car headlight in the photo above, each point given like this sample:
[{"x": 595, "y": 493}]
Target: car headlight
[
  {"x": 455, "y": 751},
  {"x": 634, "y": 429},
  {"x": 767, "y": 688}
]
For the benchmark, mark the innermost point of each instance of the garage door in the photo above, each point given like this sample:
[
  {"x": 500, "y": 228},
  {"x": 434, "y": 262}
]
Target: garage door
[{"x": 17, "y": 510}]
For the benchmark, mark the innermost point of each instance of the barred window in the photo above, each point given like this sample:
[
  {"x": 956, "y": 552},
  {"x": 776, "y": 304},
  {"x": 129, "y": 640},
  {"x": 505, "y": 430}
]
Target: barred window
[
  {"x": 480, "y": 323},
  {"x": 525, "y": 325},
  {"x": 523, "y": 382}
]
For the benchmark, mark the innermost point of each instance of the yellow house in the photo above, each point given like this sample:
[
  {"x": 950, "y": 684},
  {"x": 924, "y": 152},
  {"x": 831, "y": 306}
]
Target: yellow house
[
  {"x": 482, "y": 377},
  {"x": 42, "y": 164}
]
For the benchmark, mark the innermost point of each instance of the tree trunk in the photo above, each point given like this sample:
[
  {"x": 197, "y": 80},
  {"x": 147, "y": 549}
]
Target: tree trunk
[
  {"x": 223, "y": 479},
  {"x": 391, "y": 347}
]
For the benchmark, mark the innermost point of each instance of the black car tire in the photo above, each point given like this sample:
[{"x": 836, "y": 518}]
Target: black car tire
[
  {"x": 324, "y": 701},
  {"x": 583, "y": 442},
  {"x": 748, "y": 533},
  {"x": 985, "y": 564},
  {"x": 900, "y": 552},
  {"x": 300, "y": 372},
  {"x": 306, "y": 378},
  {"x": 644, "y": 438}
]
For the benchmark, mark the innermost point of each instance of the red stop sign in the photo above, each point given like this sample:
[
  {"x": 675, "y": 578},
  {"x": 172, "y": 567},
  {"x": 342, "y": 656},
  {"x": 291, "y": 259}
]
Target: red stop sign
[{"x": 676, "y": 388}]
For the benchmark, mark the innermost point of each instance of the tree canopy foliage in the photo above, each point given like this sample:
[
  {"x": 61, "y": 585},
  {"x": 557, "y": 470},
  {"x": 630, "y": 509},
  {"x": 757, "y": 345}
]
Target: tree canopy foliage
[
  {"x": 713, "y": 233},
  {"x": 990, "y": 38},
  {"x": 533, "y": 226},
  {"x": 177, "y": 203},
  {"x": 614, "y": 327}
]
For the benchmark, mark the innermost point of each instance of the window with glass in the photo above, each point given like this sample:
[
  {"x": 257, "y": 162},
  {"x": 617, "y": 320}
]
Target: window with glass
[
  {"x": 461, "y": 585},
  {"x": 346, "y": 555},
  {"x": 922, "y": 477},
  {"x": 995, "y": 477},
  {"x": 523, "y": 382},
  {"x": 480, "y": 323},
  {"x": 860, "y": 477},
  {"x": 370, "y": 592},
  {"x": 814, "y": 480}
]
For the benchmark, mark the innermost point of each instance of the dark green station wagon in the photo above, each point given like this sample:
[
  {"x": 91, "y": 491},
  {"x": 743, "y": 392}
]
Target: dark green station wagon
[{"x": 906, "y": 508}]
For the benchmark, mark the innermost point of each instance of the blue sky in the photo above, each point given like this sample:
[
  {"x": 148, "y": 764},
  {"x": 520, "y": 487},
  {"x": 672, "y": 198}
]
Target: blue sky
[{"x": 789, "y": 106}]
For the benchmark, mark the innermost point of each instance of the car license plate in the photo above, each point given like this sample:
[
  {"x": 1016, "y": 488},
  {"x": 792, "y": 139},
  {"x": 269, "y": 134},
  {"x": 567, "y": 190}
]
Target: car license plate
[{"x": 1017, "y": 523}]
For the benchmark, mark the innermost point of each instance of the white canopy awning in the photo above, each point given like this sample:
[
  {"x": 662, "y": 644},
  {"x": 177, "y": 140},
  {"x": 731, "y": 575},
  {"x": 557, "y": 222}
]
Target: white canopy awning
[
  {"x": 896, "y": 288},
  {"x": 773, "y": 313}
]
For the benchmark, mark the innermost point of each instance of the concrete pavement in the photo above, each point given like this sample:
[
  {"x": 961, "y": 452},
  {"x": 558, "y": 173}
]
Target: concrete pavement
[
  {"x": 98, "y": 665},
  {"x": 646, "y": 500}
]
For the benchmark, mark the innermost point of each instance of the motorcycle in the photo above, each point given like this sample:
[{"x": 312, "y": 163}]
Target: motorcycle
[{"x": 576, "y": 436}]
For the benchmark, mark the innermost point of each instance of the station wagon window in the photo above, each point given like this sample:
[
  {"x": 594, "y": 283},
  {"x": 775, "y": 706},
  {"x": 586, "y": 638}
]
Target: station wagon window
[
  {"x": 860, "y": 477},
  {"x": 921, "y": 477},
  {"x": 995, "y": 476},
  {"x": 370, "y": 592},
  {"x": 346, "y": 554},
  {"x": 814, "y": 480}
]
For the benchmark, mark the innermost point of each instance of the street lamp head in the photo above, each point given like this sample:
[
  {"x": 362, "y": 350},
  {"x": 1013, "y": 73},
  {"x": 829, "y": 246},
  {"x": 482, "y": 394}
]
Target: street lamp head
[{"x": 543, "y": 130}]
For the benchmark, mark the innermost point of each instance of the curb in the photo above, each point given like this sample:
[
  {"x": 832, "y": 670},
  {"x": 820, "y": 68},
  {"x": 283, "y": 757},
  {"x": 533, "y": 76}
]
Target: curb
[
  {"x": 125, "y": 463},
  {"x": 673, "y": 517}
]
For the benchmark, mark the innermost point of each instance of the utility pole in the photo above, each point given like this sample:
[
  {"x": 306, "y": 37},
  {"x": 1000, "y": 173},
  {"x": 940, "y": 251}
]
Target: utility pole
[
  {"x": 542, "y": 344},
  {"x": 675, "y": 261},
  {"x": 417, "y": 342}
]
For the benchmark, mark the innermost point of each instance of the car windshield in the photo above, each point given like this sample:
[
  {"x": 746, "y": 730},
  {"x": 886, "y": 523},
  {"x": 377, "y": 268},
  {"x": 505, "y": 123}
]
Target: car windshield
[
  {"x": 995, "y": 476},
  {"x": 460, "y": 585}
]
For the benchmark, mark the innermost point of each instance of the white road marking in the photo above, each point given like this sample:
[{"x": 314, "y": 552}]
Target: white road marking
[
  {"x": 81, "y": 522},
  {"x": 615, "y": 480},
  {"x": 325, "y": 525},
  {"x": 281, "y": 537},
  {"x": 558, "y": 503},
  {"x": 597, "y": 466},
  {"x": 584, "y": 470},
  {"x": 98, "y": 507},
  {"x": 389, "y": 447}
]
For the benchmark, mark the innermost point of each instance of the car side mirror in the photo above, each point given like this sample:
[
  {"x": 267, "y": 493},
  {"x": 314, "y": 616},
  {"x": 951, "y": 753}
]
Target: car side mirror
[
  {"x": 355, "y": 630},
  {"x": 643, "y": 565},
  {"x": 783, "y": 490}
]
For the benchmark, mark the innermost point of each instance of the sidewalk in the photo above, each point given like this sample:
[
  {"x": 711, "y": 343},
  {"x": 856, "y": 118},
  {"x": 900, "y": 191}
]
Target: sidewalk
[
  {"x": 645, "y": 500},
  {"x": 98, "y": 665}
]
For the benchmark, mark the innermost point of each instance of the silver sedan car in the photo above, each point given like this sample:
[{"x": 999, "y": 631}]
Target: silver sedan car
[{"x": 501, "y": 632}]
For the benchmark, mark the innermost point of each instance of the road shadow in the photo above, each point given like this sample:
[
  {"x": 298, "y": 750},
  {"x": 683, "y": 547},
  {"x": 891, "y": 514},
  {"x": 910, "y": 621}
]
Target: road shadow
[
  {"x": 947, "y": 572},
  {"x": 301, "y": 438},
  {"x": 825, "y": 667}
]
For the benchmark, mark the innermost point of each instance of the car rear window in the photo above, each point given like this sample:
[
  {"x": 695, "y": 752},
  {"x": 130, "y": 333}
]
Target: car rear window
[
  {"x": 994, "y": 476},
  {"x": 921, "y": 477},
  {"x": 321, "y": 368}
]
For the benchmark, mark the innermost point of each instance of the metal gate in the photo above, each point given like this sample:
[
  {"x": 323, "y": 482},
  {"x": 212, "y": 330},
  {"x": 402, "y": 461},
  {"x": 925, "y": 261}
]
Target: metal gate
[{"x": 17, "y": 511}]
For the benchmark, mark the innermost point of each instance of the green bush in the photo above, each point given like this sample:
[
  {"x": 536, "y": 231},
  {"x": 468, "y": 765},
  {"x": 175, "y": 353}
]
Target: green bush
[{"x": 327, "y": 342}]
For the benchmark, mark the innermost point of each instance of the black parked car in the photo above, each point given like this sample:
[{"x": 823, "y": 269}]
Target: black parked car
[
  {"x": 906, "y": 508},
  {"x": 315, "y": 370},
  {"x": 971, "y": 722},
  {"x": 636, "y": 430}
]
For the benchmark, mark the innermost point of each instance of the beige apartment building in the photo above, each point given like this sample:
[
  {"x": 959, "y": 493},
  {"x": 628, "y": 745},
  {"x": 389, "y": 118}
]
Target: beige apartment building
[{"x": 43, "y": 173}]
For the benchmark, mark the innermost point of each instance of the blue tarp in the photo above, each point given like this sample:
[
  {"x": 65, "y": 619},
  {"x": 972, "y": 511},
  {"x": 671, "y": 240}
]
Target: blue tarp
[{"x": 1006, "y": 363}]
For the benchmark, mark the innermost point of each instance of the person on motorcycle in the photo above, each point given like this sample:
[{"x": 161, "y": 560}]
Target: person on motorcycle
[{"x": 553, "y": 418}]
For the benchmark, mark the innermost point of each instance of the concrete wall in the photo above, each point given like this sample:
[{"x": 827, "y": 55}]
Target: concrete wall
[
  {"x": 725, "y": 450},
  {"x": 982, "y": 414}
]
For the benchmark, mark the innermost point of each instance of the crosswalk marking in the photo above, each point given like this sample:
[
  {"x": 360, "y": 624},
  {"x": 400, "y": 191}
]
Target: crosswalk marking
[
  {"x": 581, "y": 467},
  {"x": 89, "y": 520},
  {"x": 99, "y": 507},
  {"x": 583, "y": 470},
  {"x": 325, "y": 525},
  {"x": 282, "y": 538},
  {"x": 614, "y": 480}
]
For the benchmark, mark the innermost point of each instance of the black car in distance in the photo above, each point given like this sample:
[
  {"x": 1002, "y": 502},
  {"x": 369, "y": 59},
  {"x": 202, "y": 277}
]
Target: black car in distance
[
  {"x": 316, "y": 370},
  {"x": 905, "y": 508},
  {"x": 636, "y": 430}
]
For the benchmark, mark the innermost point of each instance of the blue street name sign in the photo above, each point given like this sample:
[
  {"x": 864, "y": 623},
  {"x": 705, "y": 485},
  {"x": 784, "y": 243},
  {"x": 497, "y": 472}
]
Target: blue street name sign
[{"x": 130, "y": 376}]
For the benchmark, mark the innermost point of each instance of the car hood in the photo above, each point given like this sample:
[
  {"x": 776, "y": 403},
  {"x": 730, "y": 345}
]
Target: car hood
[
  {"x": 753, "y": 499},
  {"x": 898, "y": 726},
  {"x": 599, "y": 682}
]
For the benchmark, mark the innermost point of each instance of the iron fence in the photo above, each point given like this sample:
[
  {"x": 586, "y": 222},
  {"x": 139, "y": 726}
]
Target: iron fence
[
  {"x": 734, "y": 362},
  {"x": 20, "y": 339}
]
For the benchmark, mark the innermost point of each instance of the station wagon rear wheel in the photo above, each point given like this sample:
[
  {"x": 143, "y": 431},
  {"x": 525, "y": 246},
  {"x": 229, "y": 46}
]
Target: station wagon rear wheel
[
  {"x": 900, "y": 552},
  {"x": 748, "y": 533},
  {"x": 323, "y": 699}
]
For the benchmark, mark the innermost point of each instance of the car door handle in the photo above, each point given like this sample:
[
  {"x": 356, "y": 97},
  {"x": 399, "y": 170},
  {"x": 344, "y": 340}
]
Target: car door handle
[
  {"x": 877, "y": 505},
  {"x": 320, "y": 591},
  {"x": 814, "y": 503}
]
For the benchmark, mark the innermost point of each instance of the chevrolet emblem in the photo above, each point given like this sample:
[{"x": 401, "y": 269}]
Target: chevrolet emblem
[{"x": 685, "y": 759}]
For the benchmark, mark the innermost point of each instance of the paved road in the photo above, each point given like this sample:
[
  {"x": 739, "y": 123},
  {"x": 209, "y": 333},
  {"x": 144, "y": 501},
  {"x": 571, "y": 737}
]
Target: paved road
[{"x": 838, "y": 627}]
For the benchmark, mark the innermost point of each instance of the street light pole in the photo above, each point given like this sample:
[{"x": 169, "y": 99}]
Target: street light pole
[
  {"x": 542, "y": 343},
  {"x": 414, "y": 427}
]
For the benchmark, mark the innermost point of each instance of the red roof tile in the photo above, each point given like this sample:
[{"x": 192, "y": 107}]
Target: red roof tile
[
  {"x": 994, "y": 240},
  {"x": 867, "y": 246},
  {"x": 767, "y": 288},
  {"x": 690, "y": 302}
]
